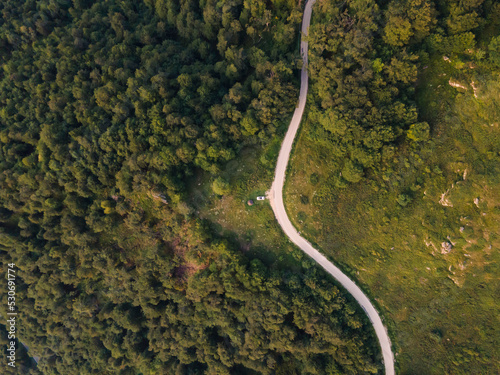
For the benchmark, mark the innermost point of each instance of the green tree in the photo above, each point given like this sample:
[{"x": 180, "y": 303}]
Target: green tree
[
  {"x": 403, "y": 199},
  {"x": 418, "y": 132},
  {"x": 397, "y": 32},
  {"x": 352, "y": 172},
  {"x": 220, "y": 186},
  {"x": 494, "y": 50}
]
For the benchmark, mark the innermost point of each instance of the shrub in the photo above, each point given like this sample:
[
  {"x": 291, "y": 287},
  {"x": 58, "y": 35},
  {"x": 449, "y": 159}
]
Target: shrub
[
  {"x": 220, "y": 186},
  {"x": 352, "y": 172}
]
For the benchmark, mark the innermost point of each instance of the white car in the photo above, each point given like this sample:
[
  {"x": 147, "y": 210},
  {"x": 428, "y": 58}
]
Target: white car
[{"x": 261, "y": 198}]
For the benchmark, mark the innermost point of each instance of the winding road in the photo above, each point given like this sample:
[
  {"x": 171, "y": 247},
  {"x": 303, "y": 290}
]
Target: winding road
[{"x": 275, "y": 196}]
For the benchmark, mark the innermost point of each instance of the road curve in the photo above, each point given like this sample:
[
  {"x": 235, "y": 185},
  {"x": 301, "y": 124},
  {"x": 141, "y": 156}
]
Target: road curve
[{"x": 275, "y": 196}]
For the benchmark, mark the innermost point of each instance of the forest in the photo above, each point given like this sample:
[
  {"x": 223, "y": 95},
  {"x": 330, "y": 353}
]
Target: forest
[{"x": 107, "y": 109}]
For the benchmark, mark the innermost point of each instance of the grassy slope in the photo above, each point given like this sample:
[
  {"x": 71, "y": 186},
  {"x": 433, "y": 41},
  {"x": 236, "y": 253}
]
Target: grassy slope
[{"x": 442, "y": 305}]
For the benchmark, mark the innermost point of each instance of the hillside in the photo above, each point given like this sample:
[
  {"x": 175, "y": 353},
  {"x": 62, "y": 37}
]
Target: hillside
[{"x": 400, "y": 179}]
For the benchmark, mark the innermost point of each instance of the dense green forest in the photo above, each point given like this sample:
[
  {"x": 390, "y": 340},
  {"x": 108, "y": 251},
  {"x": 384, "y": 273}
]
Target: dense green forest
[
  {"x": 106, "y": 109},
  {"x": 400, "y": 183}
]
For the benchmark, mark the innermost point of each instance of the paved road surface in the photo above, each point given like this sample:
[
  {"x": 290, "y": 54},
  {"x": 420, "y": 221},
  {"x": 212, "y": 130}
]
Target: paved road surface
[
  {"x": 35, "y": 358},
  {"x": 276, "y": 199}
]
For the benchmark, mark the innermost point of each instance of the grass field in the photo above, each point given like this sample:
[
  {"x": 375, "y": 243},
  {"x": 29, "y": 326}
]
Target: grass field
[{"x": 422, "y": 234}]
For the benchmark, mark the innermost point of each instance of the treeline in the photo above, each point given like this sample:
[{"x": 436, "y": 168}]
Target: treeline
[
  {"x": 105, "y": 109},
  {"x": 365, "y": 58}
]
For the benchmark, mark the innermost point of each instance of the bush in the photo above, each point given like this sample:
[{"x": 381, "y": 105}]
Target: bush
[
  {"x": 220, "y": 186},
  {"x": 403, "y": 199},
  {"x": 314, "y": 178},
  {"x": 494, "y": 48},
  {"x": 352, "y": 172},
  {"x": 418, "y": 132}
]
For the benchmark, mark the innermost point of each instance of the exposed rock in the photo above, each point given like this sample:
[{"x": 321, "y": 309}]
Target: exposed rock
[
  {"x": 158, "y": 196},
  {"x": 429, "y": 243},
  {"x": 462, "y": 265},
  {"x": 476, "y": 202},
  {"x": 450, "y": 241},
  {"x": 445, "y": 247},
  {"x": 474, "y": 88},
  {"x": 456, "y": 84},
  {"x": 444, "y": 201},
  {"x": 457, "y": 280}
]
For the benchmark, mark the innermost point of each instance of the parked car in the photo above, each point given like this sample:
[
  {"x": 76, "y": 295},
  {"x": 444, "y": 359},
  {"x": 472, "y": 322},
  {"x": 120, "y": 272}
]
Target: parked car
[{"x": 261, "y": 198}]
